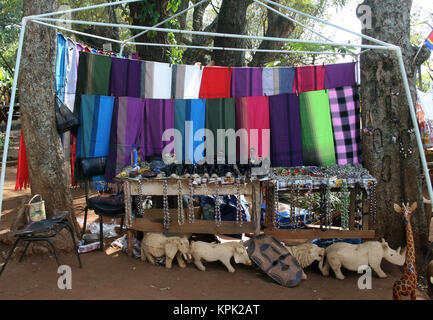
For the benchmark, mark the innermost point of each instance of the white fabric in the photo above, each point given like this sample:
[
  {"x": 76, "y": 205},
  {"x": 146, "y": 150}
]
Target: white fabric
[
  {"x": 193, "y": 75},
  {"x": 157, "y": 80}
]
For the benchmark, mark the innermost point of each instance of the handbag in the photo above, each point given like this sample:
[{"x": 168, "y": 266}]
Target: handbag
[
  {"x": 36, "y": 210},
  {"x": 66, "y": 119},
  {"x": 93, "y": 166}
]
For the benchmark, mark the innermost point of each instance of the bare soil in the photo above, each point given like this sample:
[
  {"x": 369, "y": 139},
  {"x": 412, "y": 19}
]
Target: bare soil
[{"x": 113, "y": 275}]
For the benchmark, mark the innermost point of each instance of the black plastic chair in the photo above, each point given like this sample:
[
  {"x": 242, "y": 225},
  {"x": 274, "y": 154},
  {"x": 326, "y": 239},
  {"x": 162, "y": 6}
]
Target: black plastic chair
[
  {"x": 43, "y": 230},
  {"x": 112, "y": 206}
]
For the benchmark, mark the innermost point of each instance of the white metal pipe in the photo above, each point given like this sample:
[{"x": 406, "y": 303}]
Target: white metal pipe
[
  {"x": 329, "y": 23},
  {"x": 230, "y": 49},
  {"x": 166, "y": 20},
  {"x": 76, "y": 32},
  {"x": 82, "y": 9},
  {"x": 11, "y": 110},
  {"x": 414, "y": 121},
  {"x": 215, "y": 34},
  {"x": 297, "y": 22}
]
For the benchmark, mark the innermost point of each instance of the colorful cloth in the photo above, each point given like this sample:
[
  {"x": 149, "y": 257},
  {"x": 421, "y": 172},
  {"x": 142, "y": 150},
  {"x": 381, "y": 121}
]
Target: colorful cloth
[
  {"x": 246, "y": 82},
  {"x": 156, "y": 80},
  {"x": 216, "y": 83},
  {"x": 189, "y": 119},
  {"x": 278, "y": 80},
  {"x": 220, "y": 114},
  {"x": 159, "y": 117},
  {"x": 316, "y": 129},
  {"x": 310, "y": 78},
  {"x": 125, "y": 79},
  {"x": 345, "y": 113},
  {"x": 252, "y": 114},
  {"x": 186, "y": 81},
  {"x": 22, "y": 178},
  {"x": 71, "y": 73},
  {"x": 424, "y": 113},
  {"x": 127, "y": 132},
  {"x": 340, "y": 75},
  {"x": 285, "y": 123},
  {"x": 429, "y": 41},
  {"x": 60, "y": 81}
]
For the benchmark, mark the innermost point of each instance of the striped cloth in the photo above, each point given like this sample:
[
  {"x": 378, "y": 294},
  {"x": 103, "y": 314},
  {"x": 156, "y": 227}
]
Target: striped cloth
[
  {"x": 186, "y": 81},
  {"x": 127, "y": 130},
  {"x": 310, "y": 78},
  {"x": 316, "y": 129},
  {"x": 125, "y": 79},
  {"x": 345, "y": 113},
  {"x": 246, "y": 82},
  {"x": 156, "y": 80},
  {"x": 278, "y": 80}
]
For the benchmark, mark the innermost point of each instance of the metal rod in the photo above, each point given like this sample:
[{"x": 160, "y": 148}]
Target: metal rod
[
  {"x": 297, "y": 22},
  {"x": 329, "y": 23},
  {"x": 215, "y": 34},
  {"x": 11, "y": 110},
  {"x": 414, "y": 121}
]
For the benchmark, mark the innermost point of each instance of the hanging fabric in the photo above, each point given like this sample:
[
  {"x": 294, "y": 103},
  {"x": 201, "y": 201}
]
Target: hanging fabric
[
  {"x": 345, "y": 113},
  {"x": 159, "y": 117},
  {"x": 220, "y": 114},
  {"x": 216, "y": 83},
  {"x": 22, "y": 178},
  {"x": 310, "y": 78},
  {"x": 278, "y": 80},
  {"x": 285, "y": 123},
  {"x": 186, "y": 81},
  {"x": 247, "y": 82},
  {"x": 60, "y": 66},
  {"x": 125, "y": 78},
  {"x": 189, "y": 118},
  {"x": 155, "y": 80},
  {"x": 252, "y": 114},
  {"x": 424, "y": 112},
  {"x": 340, "y": 75},
  {"x": 71, "y": 73},
  {"x": 316, "y": 128},
  {"x": 127, "y": 130}
]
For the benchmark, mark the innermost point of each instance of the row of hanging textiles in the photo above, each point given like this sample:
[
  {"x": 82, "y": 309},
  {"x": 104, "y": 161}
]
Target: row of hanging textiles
[{"x": 312, "y": 112}]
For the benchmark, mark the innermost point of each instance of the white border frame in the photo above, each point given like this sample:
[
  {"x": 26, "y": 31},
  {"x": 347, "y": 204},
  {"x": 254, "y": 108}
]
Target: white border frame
[{"x": 43, "y": 19}]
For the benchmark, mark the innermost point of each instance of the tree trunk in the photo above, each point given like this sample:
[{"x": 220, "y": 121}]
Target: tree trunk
[
  {"x": 232, "y": 18},
  {"x": 47, "y": 169},
  {"x": 383, "y": 96}
]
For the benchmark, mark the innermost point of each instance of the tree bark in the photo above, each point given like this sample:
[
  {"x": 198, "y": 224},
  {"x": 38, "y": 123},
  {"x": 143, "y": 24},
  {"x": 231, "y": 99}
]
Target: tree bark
[
  {"x": 47, "y": 169},
  {"x": 232, "y": 18},
  {"x": 383, "y": 96}
]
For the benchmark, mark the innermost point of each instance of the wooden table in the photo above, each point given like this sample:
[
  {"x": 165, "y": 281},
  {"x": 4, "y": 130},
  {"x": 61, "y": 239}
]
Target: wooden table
[{"x": 152, "y": 220}]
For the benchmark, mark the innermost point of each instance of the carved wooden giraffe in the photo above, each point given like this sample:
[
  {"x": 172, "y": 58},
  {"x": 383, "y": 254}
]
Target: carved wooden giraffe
[{"x": 408, "y": 282}]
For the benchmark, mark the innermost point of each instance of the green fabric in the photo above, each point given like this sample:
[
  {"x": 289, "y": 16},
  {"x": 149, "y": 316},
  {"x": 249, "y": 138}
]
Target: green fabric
[
  {"x": 316, "y": 128},
  {"x": 99, "y": 70},
  {"x": 179, "y": 124},
  {"x": 221, "y": 114}
]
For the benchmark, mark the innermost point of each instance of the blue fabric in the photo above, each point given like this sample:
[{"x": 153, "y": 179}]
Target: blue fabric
[
  {"x": 60, "y": 73},
  {"x": 197, "y": 114},
  {"x": 324, "y": 243},
  {"x": 284, "y": 218}
]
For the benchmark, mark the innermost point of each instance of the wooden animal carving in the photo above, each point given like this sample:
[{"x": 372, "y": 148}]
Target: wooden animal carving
[
  {"x": 352, "y": 256},
  {"x": 157, "y": 245},
  {"x": 408, "y": 282},
  {"x": 223, "y": 252},
  {"x": 306, "y": 254}
]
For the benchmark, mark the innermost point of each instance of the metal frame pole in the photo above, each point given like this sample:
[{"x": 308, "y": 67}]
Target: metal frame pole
[{"x": 11, "y": 110}]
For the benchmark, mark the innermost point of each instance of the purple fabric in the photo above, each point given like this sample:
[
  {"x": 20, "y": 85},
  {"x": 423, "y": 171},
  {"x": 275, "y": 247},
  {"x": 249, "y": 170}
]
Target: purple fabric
[
  {"x": 127, "y": 130},
  {"x": 286, "y": 142},
  {"x": 340, "y": 75},
  {"x": 345, "y": 113},
  {"x": 247, "y": 82},
  {"x": 159, "y": 117},
  {"x": 125, "y": 77}
]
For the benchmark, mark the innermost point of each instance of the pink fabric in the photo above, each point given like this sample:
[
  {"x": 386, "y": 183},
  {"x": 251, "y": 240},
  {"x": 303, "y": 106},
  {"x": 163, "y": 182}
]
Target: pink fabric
[
  {"x": 309, "y": 78},
  {"x": 253, "y": 113}
]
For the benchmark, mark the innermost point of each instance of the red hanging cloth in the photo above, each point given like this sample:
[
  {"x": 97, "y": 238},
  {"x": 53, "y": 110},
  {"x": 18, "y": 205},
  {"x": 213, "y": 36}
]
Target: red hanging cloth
[{"x": 22, "y": 180}]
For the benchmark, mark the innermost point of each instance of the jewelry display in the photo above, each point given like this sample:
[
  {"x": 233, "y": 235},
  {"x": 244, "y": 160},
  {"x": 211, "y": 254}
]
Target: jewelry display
[
  {"x": 165, "y": 204},
  {"x": 191, "y": 215},
  {"x": 238, "y": 203},
  {"x": 180, "y": 212},
  {"x": 344, "y": 215},
  {"x": 140, "y": 208},
  {"x": 373, "y": 203},
  {"x": 276, "y": 220},
  {"x": 217, "y": 205}
]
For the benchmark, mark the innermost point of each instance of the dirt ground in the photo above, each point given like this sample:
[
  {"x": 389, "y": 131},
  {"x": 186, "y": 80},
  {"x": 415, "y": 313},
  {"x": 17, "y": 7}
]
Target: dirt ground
[{"x": 113, "y": 275}]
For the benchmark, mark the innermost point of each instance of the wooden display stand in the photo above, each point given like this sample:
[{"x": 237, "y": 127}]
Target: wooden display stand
[
  {"x": 314, "y": 231},
  {"x": 152, "y": 220}
]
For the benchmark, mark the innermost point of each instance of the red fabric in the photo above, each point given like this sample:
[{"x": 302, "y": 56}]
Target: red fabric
[
  {"x": 216, "y": 83},
  {"x": 309, "y": 78},
  {"x": 22, "y": 180},
  {"x": 73, "y": 157}
]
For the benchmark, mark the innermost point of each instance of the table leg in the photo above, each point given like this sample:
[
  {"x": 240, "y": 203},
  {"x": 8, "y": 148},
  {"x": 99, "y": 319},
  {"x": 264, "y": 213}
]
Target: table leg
[{"x": 130, "y": 236}]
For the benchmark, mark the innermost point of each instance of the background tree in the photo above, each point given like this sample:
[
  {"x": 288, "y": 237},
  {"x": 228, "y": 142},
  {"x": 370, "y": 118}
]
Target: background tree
[
  {"x": 47, "y": 170},
  {"x": 383, "y": 96}
]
